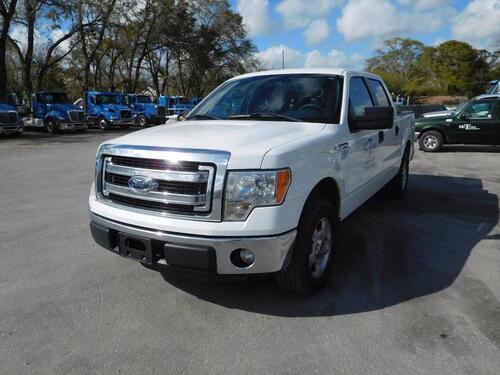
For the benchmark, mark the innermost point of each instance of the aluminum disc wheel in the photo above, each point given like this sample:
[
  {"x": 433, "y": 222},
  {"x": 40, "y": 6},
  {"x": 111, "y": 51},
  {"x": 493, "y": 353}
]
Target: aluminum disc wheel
[
  {"x": 430, "y": 141},
  {"x": 321, "y": 247}
]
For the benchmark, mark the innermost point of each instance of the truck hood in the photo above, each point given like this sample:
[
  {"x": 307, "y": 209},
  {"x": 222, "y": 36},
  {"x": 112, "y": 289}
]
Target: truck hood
[
  {"x": 63, "y": 107},
  {"x": 6, "y": 107},
  {"x": 247, "y": 141},
  {"x": 114, "y": 107},
  {"x": 442, "y": 114}
]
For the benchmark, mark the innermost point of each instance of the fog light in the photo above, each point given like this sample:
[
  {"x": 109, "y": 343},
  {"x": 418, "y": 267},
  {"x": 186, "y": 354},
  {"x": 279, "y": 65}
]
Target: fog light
[
  {"x": 242, "y": 258},
  {"x": 247, "y": 256}
]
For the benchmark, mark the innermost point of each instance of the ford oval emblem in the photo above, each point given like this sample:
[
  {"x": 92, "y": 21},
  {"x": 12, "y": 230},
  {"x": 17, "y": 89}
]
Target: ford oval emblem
[{"x": 141, "y": 184}]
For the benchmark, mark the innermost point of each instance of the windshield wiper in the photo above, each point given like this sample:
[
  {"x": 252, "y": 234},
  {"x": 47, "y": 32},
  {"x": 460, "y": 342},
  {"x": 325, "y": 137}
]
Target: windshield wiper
[
  {"x": 267, "y": 115},
  {"x": 202, "y": 117}
]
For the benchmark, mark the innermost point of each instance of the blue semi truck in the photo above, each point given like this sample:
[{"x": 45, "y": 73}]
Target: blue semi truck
[
  {"x": 177, "y": 105},
  {"x": 145, "y": 110},
  {"x": 54, "y": 111},
  {"x": 107, "y": 109},
  {"x": 10, "y": 123}
]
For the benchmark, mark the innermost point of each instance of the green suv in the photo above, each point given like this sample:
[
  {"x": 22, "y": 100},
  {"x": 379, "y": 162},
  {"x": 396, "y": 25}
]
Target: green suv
[{"x": 476, "y": 122}]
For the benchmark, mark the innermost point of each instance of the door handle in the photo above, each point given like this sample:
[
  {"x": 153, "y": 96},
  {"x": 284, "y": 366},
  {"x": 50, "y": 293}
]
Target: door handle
[
  {"x": 397, "y": 130},
  {"x": 380, "y": 136}
]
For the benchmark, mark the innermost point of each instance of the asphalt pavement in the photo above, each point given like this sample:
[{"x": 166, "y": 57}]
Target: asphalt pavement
[{"x": 415, "y": 288}]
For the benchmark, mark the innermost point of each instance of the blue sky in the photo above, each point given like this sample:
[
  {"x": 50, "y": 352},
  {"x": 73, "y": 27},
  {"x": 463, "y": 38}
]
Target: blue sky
[{"x": 346, "y": 32}]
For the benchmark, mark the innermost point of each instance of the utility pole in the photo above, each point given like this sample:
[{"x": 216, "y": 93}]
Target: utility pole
[{"x": 283, "y": 59}]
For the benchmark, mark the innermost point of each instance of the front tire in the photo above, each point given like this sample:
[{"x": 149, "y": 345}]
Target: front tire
[
  {"x": 314, "y": 249},
  {"x": 51, "y": 127},
  {"x": 142, "y": 121},
  {"x": 102, "y": 123},
  {"x": 431, "y": 141}
]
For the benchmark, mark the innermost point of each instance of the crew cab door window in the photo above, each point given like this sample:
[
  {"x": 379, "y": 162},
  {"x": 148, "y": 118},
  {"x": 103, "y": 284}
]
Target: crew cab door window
[
  {"x": 480, "y": 110},
  {"x": 379, "y": 91},
  {"x": 359, "y": 96}
]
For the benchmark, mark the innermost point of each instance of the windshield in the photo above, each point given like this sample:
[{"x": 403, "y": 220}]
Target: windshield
[
  {"x": 144, "y": 99},
  {"x": 56, "y": 98},
  {"x": 109, "y": 99},
  {"x": 300, "y": 97},
  {"x": 8, "y": 98}
]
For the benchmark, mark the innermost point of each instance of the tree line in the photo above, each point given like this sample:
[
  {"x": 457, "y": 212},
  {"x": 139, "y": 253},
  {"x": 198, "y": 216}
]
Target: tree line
[
  {"x": 410, "y": 68},
  {"x": 179, "y": 47}
]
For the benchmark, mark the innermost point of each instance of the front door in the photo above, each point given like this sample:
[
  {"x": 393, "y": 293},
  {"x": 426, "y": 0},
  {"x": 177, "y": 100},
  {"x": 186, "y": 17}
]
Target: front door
[{"x": 478, "y": 123}]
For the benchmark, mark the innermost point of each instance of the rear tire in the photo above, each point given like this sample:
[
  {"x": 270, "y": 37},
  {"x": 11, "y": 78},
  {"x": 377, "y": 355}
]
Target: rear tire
[
  {"x": 398, "y": 185},
  {"x": 314, "y": 249},
  {"x": 430, "y": 141}
]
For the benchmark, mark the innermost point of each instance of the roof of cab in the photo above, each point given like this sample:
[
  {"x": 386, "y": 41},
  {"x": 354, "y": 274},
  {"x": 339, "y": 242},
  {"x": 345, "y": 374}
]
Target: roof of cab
[{"x": 331, "y": 71}]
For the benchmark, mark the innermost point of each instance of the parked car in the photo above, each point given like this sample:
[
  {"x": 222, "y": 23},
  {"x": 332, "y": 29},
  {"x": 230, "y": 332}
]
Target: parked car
[
  {"x": 107, "y": 109},
  {"x": 257, "y": 179},
  {"x": 476, "y": 122},
  {"x": 423, "y": 109},
  {"x": 10, "y": 123},
  {"x": 53, "y": 111},
  {"x": 145, "y": 110}
]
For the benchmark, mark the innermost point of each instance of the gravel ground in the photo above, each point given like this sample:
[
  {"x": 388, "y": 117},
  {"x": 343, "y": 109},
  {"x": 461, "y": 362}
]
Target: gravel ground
[{"x": 415, "y": 288}]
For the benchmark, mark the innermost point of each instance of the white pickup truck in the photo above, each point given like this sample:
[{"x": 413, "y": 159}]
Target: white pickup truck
[{"x": 257, "y": 179}]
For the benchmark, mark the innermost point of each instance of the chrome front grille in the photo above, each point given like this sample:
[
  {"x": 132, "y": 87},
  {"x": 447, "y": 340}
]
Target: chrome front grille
[
  {"x": 161, "y": 111},
  {"x": 125, "y": 113},
  {"x": 76, "y": 116},
  {"x": 179, "y": 183},
  {"x": 8, "y": 117}
]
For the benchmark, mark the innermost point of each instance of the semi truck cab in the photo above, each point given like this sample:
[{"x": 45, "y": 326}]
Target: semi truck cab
[
  {"x": 54, "y": 111},
  {"x": 177, "y": 105},
  {"x": 107, "y": 109},
  {"x": 10, "y": 123},
  {"x": 145, "y": 110}
]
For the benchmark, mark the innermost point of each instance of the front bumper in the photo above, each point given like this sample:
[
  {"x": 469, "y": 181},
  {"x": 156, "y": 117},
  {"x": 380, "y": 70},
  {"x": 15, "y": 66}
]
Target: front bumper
[
  {"x": 121, "y": 122},
  {"x": 270, "y": 251},
  {"x": 11, "y": 128},
  {"x": 72, "y": 125}
]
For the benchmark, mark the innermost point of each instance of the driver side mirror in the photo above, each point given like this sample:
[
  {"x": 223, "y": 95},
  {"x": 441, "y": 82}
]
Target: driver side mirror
[{"x": 375, "y": 118}]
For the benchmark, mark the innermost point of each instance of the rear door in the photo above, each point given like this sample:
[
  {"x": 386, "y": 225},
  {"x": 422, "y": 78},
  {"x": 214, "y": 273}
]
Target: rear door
[
  {"x": 363, "y": 161},
  {"x": 389, "y": 139},
  {"x": 477, "y": 124}
]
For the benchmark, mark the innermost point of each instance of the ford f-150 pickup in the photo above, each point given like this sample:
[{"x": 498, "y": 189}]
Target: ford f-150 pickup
[{"x": 257, "y": 179}]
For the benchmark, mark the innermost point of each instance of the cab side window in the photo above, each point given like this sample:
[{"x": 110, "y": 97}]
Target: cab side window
[
  {"x": 480, "y": 110},
  {"x": 359, "y": 96},
  {"x": 379, "y": 92}
]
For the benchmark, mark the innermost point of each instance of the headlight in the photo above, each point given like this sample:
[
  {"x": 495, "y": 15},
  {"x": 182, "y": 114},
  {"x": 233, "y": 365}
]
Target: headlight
[{"x": 249, "y": 189}]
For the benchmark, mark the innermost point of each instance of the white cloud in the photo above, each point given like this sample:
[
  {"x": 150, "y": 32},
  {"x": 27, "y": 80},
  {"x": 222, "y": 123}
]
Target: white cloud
[
  {"x": 317, "y": 32},
  {"x": 299, "y": 13},
  {"x": 255, "y": 15},
  {"x": 56, "y": 35},
  {"x": 18, "y": 33},
  {"x": 334, "y": 59},
  {"x": 272, "y": 58},
  {"x": 380, "y": 19},
  {"x": 479, "y": 23}
]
